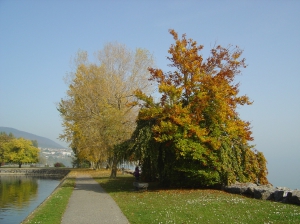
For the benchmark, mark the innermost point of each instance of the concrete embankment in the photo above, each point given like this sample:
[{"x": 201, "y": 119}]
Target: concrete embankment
[{"x": 35, "y": 171}]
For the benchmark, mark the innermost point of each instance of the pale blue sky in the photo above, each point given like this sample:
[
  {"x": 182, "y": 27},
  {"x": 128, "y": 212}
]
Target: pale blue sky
[{"x": 38, "y": 39}]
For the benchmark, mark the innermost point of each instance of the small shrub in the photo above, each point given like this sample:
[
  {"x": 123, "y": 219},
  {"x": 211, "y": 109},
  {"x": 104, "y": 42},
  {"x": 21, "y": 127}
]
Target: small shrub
[{"x": 59, "y": 165}]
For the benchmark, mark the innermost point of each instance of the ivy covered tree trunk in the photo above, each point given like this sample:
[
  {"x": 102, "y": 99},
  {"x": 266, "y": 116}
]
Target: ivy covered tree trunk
[{"x": 161, "y": 167}]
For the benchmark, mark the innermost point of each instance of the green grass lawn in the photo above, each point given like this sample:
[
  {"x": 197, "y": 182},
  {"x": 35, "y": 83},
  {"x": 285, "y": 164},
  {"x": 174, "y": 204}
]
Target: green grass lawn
[
  {"x": 193, "y": 206},
  {"x": 170, "y": 205}
]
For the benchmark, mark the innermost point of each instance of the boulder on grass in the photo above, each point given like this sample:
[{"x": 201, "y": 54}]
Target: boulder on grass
[
  {"x": 264, "y": 192},
  {"x": 281, "y": 193},
  {"x": 293, "y": 197},
  {"x": 241, "y": 188}
]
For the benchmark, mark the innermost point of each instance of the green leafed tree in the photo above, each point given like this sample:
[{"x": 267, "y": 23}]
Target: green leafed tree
[
  {"x": 4, "y": 138},
  {"x": 97, "y": 112},
  {"x": 21, "y": 151},
  {"x": 194, "y": 136}
]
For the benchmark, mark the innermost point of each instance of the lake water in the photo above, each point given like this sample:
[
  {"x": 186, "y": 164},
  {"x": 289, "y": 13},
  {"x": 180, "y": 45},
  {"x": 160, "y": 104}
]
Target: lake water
[{"x": 20, "y": 195}]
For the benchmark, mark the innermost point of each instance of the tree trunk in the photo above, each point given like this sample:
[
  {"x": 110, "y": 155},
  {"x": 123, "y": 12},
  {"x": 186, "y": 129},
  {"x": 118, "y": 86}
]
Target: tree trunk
[
  {"x": 20, "y": 164},
  {"x": 114, "y": 169},
  {"x": 98, "y": 165}
]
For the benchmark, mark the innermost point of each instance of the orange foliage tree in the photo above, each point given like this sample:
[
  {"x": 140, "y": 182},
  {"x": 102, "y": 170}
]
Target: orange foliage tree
[{"x": 197, "y": 137}]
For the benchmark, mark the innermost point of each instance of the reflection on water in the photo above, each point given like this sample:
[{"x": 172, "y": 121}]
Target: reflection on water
[
  {"x": 17, "y": 191},
  {"x": 20, "y": 195}
]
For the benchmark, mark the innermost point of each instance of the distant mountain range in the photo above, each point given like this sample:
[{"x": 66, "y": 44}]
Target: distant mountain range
[{"x": 42, "y": 141}]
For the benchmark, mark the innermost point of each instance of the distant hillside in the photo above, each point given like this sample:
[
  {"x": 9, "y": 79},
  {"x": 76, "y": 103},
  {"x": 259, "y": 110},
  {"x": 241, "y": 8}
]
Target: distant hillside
[{"x": 42, "y": 141}]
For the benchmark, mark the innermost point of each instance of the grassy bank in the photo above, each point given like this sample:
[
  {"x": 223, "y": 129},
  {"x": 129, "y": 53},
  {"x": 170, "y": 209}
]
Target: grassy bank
[
  {"x": 171, "y": 205},
  {"x": 194, "y": 206},
  {"x": 51, "y": 211}
]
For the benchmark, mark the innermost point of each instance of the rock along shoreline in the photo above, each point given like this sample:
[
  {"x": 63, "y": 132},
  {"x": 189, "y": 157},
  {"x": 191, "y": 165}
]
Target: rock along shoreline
[{"x": 265, "y": 192}]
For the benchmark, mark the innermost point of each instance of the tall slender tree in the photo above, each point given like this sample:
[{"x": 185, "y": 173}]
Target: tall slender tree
[{"x": 96, "y": 112}]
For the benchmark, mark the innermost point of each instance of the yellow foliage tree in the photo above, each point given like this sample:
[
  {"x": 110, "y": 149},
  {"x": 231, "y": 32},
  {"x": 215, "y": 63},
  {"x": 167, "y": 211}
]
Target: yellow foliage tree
[
  {"x": 96, "y": 113},
  {"x": 21, "y": 151}
]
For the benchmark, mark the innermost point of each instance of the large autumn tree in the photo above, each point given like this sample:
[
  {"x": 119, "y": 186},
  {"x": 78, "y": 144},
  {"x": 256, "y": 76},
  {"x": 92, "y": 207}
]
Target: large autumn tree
[
  {"x": 194, "y": 135},
  {"x": 95, "y": 113}
]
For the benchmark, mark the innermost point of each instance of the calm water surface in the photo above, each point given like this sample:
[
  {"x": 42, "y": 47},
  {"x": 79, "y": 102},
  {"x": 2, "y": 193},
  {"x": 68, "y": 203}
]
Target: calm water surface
[{"x": 20, "y": 195}]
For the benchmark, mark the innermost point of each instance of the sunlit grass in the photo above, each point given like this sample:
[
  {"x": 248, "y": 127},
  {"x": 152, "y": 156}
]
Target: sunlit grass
[
  {"x": 194, "y": 206},
  {"x": 170, "y": 205}
]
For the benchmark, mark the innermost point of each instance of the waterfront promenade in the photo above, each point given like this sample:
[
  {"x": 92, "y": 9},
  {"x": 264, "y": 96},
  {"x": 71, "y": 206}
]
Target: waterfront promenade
[{"x": 89, "y": 203}]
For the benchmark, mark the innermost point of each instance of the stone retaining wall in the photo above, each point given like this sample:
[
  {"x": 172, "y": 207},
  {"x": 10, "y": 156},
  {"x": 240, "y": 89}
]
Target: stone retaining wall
[
  {"x": 265, "y": 192},
  {"x": 35, "y": 171}
]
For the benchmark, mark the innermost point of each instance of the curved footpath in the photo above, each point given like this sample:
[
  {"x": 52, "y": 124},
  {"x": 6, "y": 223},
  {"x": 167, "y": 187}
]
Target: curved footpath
[{"x": 89, "y": 203}]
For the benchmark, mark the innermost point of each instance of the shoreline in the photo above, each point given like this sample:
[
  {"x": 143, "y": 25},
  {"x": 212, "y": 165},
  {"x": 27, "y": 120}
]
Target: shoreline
[
  {"x": 58, "y": 187},
  {"x": 51, "y": 172}
]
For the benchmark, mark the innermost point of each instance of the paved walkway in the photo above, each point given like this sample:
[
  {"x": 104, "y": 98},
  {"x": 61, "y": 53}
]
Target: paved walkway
[{"x": 89, "y": 203}]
